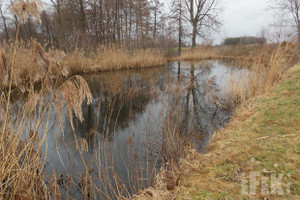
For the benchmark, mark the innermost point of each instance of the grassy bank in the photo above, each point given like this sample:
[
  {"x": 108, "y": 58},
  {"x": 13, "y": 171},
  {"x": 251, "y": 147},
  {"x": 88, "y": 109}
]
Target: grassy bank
[{"x": 263, "y": 137}]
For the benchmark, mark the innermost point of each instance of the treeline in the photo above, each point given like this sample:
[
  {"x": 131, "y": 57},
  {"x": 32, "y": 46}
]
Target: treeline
[
  {"x": 244, "y": 40},
  {"x": 136, "y": 24},
  {"x": 70, "y": 24}
]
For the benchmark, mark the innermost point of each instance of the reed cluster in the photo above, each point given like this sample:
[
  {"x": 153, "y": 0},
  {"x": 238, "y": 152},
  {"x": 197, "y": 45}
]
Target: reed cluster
[
  {"x": 24, "y": 125},
  {"x": 32, "y": 62},
  {"x": 265, "y": 69},
  {"x": 29, "y": 63},
  {"x": 113, "y": 58}
]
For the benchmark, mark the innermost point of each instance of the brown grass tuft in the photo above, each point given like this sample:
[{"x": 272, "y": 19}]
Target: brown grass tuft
[
  {"x": 74, "y": 91},
  {"x": 21, "y": 163},
  {"x": 31, "y": 64},
  {"x": 113, "y": 58},
  {"x": 23, "y": 9}
]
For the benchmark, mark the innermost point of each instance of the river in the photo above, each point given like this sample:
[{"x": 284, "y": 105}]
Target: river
[{"x": 138, "y": 121}]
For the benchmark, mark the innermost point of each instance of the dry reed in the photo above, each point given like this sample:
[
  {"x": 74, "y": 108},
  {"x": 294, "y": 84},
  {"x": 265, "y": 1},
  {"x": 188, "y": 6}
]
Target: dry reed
[
  {"x": 265, "y": 69},
  {"x": 219, "y": 52},
  {"x": 113, "y": 58},
  {"x": 21, "y": 161},
  {"x": 24, "y": 131},
  {"x": 22, "y": 65},
  {"x": 31, "y": 64}
]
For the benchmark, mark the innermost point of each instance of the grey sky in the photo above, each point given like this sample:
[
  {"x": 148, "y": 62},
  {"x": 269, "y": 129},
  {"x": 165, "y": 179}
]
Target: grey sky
[
  {"x": 242, "y": 17},
  {"x": 245, "y": 17}
]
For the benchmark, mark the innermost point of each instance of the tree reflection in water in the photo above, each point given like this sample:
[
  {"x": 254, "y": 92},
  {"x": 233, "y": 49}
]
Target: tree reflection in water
[{"x": 138, "y": 120}]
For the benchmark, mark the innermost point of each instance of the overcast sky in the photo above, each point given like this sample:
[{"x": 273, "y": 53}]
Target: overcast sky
[
  {"x": 242, "y": 17},
  {"x": 245, "y": 17}
]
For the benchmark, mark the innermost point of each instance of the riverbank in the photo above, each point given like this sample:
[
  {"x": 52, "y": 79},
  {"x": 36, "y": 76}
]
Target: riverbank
[
  {"x": 113, "y": 58},
  {"x": 31, "y": 63},
  {"x": 262, "y": 137},
  {"x": 238, "y": 52},
  {"x": 261, "y": 140}
]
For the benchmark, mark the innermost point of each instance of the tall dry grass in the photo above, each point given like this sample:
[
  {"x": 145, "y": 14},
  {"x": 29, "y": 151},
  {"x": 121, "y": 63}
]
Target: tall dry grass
[
  {"x": 198, "y": 53},
  {"x": 266, "y": 68},
  {"x": 32, "y": 62},
  {"x": 113, "y": 58},
  {"x": 219, "y": 52},
  {"x": 29, "y": 63},
  {"x": 23, "y": 131},
  {"x": 23, "y": 172},
  {"x": 21, "y": 162}
]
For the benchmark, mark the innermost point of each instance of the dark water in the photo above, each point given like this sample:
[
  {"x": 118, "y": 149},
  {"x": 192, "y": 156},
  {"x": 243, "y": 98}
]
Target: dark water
[{"x": 138, "y": 120}]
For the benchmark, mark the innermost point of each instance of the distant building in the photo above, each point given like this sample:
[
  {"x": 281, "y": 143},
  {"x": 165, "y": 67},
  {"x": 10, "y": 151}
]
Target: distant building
[{"x": 244, "y": 41}]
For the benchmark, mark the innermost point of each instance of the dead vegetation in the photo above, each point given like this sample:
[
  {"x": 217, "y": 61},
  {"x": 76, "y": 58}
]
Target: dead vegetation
[
  {"x": 262, "y": 136},
  {"x": 22, "y": 65},
  {"x": 30, "y": 64},
  {"x": 113, "y": 58},
  {"x": 237, "y": 52},
  {"x": 266, "y": 69},
  {"x": 21, "y": 161}
]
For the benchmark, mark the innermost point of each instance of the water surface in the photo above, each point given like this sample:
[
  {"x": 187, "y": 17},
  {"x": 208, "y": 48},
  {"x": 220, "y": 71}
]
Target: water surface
[{"x": 138, "y": 121}]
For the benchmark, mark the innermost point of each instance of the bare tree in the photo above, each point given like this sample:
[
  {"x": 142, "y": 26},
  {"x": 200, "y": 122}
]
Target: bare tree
[
  {"x": 4, "y": 22},
  {"x": 177, "y": 13},
  {"x": 157, "y": 14},
  {"x": 289, "y": 11},
  {"x": 262, "y": 35},
  {"x": 278, "y": 31},
  {"x": 203, "y": 15},
  {"x": 57, "y": 5},
  {"x": 85, "y": 24}
]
